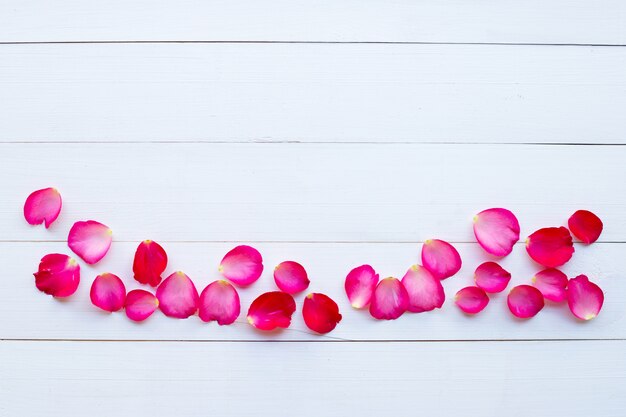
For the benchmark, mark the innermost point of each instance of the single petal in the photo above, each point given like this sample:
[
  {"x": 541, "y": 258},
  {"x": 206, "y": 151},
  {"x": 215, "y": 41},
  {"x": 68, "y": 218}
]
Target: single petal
[
  {"x": 90, "y": 240},
  {"x": 496, "y": 230},
  {"x": 525, "y": 301},
  {"x": 584, "y": 298},
  {"x": 108, "y": 292},
  {"x": 150, "y": 262},
  {"x": 550, "y": 246},
  {"x": 360, "y": 285},
  {"x": 586, "y": 226},
  {"x": 271, "y": 310},
  {"x": 471, "y": 300},
  {"x": 43, "y": 206},
  {"x": 552, "y": 283},
  {"x": 219, "y": 301},
  {"x": 320, "y": 312},
  {"x": 242, "y": 265},
  {"x": 58, "y": 275},
  {"x": 140, "y": 305},
  {"x": 491, "y": 277},
  {"x": 424, "y": 290},
  {"x": 440, "y": 258},
  {"x": 178, "y": 296},
  {"x": 291, "y": 277},
  {"x": 390, "y": 300}
]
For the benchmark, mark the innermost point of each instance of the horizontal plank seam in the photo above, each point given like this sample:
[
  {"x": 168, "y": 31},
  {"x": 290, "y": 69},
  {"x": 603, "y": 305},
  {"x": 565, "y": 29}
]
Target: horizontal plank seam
[
  {"x": 337, "y": 340},
  {"x": 309, "y": 142},
  {"x": 313, "y": 242}
]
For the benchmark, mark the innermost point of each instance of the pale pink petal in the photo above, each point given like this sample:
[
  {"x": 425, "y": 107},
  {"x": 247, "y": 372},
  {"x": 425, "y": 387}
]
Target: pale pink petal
[
  {"x": 440, "y": 258},
  {"x": 586, "y": 226},
  {"x": 471, "y": 300},
  {"x": 491, "y": 277},
  {"x": 149, "y": 263},
  {"x": 496, "y": 230},
  {"x": 360, "y": 285},
  {"x": 552, "y": 283},
  {"x": 43, "y": 206},
  {"x": 584, "y": 298},
  {"x": 178, "y": 296},
  {"x": 390, "y": 300},
  {"x": 525, "y": 301},
  {"x": 320, "y": 313},
  {"x": 108, "y": 292},
  {"x": 58, "y": 275},
  {"x": 271, "y": 310},
  {"x": 90, "y": 240},
  {"x": 242, "y": 265},
  {"x": 140, "y": 305},
  {"x": 219, "y": 301},
  {"x": 550, "y": 246},
  {"x": 291, "y": 277},
  {"x": 424, "y": 290}
]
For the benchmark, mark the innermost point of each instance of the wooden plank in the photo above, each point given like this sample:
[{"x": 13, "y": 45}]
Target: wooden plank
[
  {"x": 508, "y": 21},
  {"x": 312, "y": 93}
]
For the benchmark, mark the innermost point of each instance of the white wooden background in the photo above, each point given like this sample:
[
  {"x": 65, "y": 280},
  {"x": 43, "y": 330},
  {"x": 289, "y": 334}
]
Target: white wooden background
[{"x": 331, "y": 133}]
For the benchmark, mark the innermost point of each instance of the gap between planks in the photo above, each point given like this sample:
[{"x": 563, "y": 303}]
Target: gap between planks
[{"x": 327, "y": 340}]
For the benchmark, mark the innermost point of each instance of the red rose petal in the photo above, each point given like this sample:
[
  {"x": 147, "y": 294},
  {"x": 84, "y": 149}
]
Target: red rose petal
[
  {"x": 424, "y": 290},
  {"x": 149, "y": 263},
  {"x": 219, "y": 301},
  {"x": 440, "y": 258},
  {"x": 90, "y": 240},
  {"x": 491, "y": 277},
  {"x": 58, "y": 275},
  {"x": 178, "y": 296},
  {"x": 108, "y": 292},
  {"x": 390, "y": 300},
  {"x": 140, "y": 305},
  {"x": 291, "y": 277},
  {"x": 471, "y": 300},
  {"x": 584, "y": 298},
  {"x": 271, "y": 310},
  {"x": 552, "y": 283},
  {"x": 496, "y": 230},
  {"x": 320, "y": 312},
  {"x": 242, "y": 265},
  {"x": 525, "y": 301},
  {"x": 360, "y": 285},
  {"x": 586, "y": 226},
  {"x": 43, "y": 206},
  {"x": 550, "y": 246}
]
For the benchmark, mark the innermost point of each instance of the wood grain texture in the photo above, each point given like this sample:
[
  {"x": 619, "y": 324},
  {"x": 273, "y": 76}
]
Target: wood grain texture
[{"x": 312, "y": 93}]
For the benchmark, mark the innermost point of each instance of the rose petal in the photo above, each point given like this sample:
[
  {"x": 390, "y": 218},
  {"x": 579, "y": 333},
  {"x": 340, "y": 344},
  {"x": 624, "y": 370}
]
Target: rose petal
[
  {"x": 552, "y": 283},
  {"x": 178, "y": 296},
  {"x": 440, "y": 258},
  {"x": 360, "y": 285},
  {"x": 90, "y": 240},
  {"x": 550, "y": 246},
  {"x": 471, "y": 300},
  {"x": 491, "y": 277},
  {"x": 219, "y": 301},
  {"x": 140, "y": 305},
  {"x": 320, "y": 312},
  {"x": 525, "y": 301},
  {"x": 271, "y": 310},
  {"x": 58, "y": 275},
  {"x": 390, "y": 300},
  {"x": 291, "y": 277},
  {"x": 150, "y": 262},
  {"x": 43, "y": 206},
  {"x": 424, "y": 290},
  {"x": 584, "y": 298},
  {"x": 108, "y": 292},
  {"x": 496, "y": 230},
  {"x": 585, "y": 225},
  {"x": 242, "y": 265}
]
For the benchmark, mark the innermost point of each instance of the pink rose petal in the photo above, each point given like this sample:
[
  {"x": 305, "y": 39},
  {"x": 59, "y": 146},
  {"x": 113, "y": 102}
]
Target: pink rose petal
[
  {"x": 219, "y": 301},
  {"x": 271, "y": 310},
  {"x": 320, "y": 313},
  {"x": 491, "y": 277},
  {"x": 178, "y": 296},
  {"x": 471, "y": 300},
  {"x": 360, "y": 285},
  {"x": 43, "y": 206},
  {"x": 390, "y": 300},
  {"x": 424, "y": 290},
  {"x": 440, "y": 258},
  {"x": 584, "y": 298},
  {"x": 90, "y": 240},
  {"x": 552, "y": 283},
  {"x": 108, "y": 292},
  {"x": 496, "y": 230},
  {"x": 525, "y": 301},
  {"x": 58, "y": 275},
  {"x": 586, "y": 226},
  {"x": 550, "y": 246},
  {"x": 140, "y": 305},
  {"x": 242, "y": 265},
  {"x": 291, "y": 277},
  {"x": 149, "y": 263}
]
